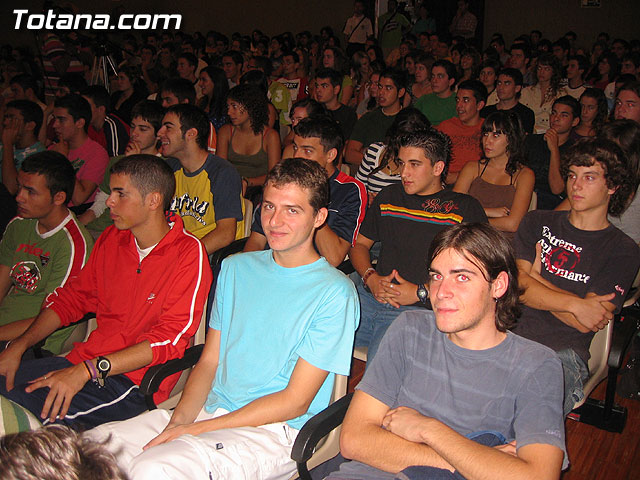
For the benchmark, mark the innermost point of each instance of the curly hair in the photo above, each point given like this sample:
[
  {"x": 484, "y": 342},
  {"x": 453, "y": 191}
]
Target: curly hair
[
  {"x": 507, "y": 123},
  {"x": 492, "y": 253},
  {"x": 586, "y": 152},
  {"x": 550, "y": 60},
  {"x": 255, "y": 101},
  {"x": 603, "y": 107}
]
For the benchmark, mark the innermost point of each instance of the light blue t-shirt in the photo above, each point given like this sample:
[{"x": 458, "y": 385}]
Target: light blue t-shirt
[
  {"x": 19, "y": 154},
  {"x": 269, "y": 316}
]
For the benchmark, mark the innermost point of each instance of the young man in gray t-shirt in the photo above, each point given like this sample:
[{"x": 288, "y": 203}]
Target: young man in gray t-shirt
[{"x": 435, "y": 388}]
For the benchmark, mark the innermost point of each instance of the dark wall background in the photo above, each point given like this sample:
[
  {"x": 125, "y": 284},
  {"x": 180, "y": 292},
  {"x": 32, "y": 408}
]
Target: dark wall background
[
  {"x": 620, "y": 18},
  {"x": 511, "y": 17}
]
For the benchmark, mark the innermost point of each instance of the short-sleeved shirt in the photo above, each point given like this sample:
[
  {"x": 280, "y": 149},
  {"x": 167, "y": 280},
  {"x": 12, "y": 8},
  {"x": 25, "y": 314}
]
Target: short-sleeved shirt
[
  {"x": 208, "y": 195},
  {"x": 525, "y": 114},
  {"x": 514, "y": 388},
  {"x": 298, "y": 87},
  {"x": 281, "y": 99},
  {"x": 357, "y": 29},
  {"x": 261, "y": 342},
  {"x": 406, "y": 225},
  {"x": 346, "y": 119},
  {"x": 372, "y": 127},
  {"x": 578, "y": 261},
  {"x": 89, "y": 161},
  {"x": 347, "y": 204},
  {"x": 465, "y": 142},
  {"x": 390, "y": 25},
  {"x": 39, "y": 263},
  {"x": 374, "y": 182},
  {"x": 437, "y": 109},
  {"x": 19, "y": 154}
]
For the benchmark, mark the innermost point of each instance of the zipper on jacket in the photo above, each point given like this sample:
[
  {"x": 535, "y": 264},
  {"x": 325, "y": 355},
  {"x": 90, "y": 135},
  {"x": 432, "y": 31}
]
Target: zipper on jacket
[{"x": 139, "y": 265}]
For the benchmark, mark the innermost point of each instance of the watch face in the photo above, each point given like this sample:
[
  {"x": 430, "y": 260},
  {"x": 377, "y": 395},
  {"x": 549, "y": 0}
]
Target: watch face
[
  {"x": 422, "y": 293},
  {"x": 104, "y": 365}
]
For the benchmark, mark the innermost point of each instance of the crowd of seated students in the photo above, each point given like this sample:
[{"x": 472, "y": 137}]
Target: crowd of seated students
[{"x": 439, "y": 132}]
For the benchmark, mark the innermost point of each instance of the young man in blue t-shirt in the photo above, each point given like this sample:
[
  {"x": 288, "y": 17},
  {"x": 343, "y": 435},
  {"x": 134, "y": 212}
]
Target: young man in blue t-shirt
[{"x": 264, "y": 370}]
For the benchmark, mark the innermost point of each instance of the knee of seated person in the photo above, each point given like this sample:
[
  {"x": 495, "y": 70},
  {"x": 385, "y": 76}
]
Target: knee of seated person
[{"x": 147, "y": 467}]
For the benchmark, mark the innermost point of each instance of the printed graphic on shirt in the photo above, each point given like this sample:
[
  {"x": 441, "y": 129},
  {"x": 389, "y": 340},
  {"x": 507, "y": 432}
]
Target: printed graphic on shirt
[
  {"x": 77, "y": 164},
  {"x": 192, "y": 207},
  {"x": 26, "y": 276},
  {"x": 560, "y": 257},
  {"x": 434, "y": 211}
]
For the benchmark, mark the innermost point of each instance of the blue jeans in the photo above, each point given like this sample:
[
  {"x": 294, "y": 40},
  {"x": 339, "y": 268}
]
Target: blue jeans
[
  {"x": 575, "y": 374},
  {"x": 487, "y": 438},
  {"x": 375, "y": 318}
]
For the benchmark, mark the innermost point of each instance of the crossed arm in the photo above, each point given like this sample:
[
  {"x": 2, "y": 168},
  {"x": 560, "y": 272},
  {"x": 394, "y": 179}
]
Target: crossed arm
[
  {"x": 394, "y": 439},
  {"x": 280, "y": 406},
  {"x": 588, "y": 314}
]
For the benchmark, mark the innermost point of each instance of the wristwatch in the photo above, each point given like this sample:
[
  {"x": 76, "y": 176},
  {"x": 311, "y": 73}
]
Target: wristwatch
[
  {"x": 423, "y": 294},
  {"x": 104, "y": 367}
]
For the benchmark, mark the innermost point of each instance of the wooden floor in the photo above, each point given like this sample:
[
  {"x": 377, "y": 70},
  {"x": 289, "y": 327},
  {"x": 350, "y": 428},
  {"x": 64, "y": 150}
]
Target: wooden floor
[{"x": 594, "y": 454}]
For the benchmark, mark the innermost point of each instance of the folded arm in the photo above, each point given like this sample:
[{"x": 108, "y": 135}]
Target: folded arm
[
  {"x": 471, "y": 459},
  {"x": 364, "y": 439}
]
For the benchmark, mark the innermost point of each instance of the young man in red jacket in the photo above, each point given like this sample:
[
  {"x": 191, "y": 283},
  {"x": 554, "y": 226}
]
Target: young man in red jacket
[{"x": 147, "y": 280}]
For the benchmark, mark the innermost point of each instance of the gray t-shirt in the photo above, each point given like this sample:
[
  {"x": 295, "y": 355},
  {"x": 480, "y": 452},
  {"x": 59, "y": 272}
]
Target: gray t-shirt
[{"x": 514, "y": 388}]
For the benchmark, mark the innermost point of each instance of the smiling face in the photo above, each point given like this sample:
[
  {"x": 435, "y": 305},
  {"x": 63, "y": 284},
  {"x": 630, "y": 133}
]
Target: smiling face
[
  {"x": 461, "y": 297},
  {"x": 206, "y": 84},
  {"x": 288, "y": 219},
  {"x": 172, "y": 140},
  {"x": 418, "y": 176}
]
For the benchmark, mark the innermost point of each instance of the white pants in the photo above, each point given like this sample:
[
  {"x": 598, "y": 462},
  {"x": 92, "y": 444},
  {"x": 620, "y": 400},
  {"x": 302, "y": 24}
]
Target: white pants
[{"x": 237, "y": 453}]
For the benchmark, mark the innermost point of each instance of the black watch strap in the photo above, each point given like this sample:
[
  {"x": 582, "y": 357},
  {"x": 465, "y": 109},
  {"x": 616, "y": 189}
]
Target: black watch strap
[{"x": 103, "y": 365}]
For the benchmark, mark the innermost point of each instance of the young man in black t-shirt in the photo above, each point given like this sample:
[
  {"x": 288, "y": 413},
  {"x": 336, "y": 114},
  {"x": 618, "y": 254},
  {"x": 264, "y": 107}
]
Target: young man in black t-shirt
[
  {"x": 405, "y": 218},
  {"x": 543, "y": 151},
  {"x": 328, "y": 85},
  {"x": 575, "y": 267},
  {"x": 508, "y": 89}
]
